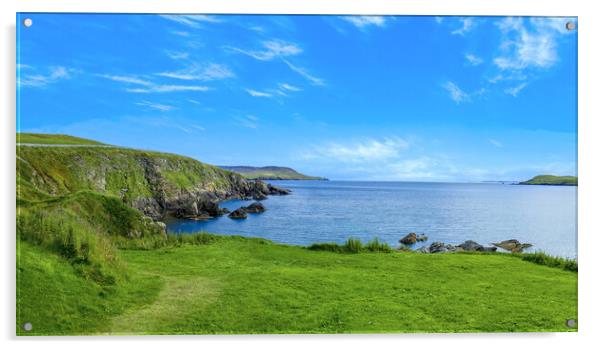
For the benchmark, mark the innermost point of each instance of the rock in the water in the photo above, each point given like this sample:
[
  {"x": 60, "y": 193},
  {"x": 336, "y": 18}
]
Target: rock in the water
[
  {"x": 239, "y": 213},
  {"x": 409, "y": 239},
  {"x": 277, "y": 191},
  {"x": 255, "y": 207},
  {"x": 512, "y": 245},
  {"x": 421, "y": 238}
]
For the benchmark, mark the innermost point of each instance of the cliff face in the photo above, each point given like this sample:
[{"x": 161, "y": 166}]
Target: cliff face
[{"x": 156, "y": 184}]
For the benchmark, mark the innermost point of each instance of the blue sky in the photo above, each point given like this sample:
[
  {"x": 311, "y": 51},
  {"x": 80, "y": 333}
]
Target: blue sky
[{"x": 368, "y": 98}]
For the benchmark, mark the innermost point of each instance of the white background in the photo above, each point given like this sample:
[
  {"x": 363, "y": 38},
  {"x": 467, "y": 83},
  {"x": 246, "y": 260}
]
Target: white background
[{"x": 590, "y": 176}]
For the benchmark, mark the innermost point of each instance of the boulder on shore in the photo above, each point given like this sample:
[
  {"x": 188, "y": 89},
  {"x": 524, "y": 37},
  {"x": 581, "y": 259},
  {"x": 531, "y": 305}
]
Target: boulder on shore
[
  {"x": 512, "y": 245},
  {"x": 409, "y": 239},
  {"x": 438, "y": 247},
  {"x": 470, "y": 245},
  {"x": 239, "y": 213},
  {"x": 412, "y": 238}
]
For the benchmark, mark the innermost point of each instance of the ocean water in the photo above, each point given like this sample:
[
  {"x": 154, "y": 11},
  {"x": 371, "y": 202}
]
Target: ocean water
[{"x": 332, "y": 211}]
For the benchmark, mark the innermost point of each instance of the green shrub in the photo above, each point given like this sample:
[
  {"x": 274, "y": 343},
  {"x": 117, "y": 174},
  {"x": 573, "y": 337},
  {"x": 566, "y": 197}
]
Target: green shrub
[
  {"x": 88, "y": 249},
  {"x": 353, "y": 246},
  {"x": 551, "y": 261},
  {"x": 327, "y": 246},
  {"x": 376, "y": 246}
]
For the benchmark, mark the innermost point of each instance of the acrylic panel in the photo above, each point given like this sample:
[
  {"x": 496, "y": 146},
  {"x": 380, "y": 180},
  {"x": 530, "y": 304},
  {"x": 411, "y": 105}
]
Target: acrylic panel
[{"x": 285, "y": 174}]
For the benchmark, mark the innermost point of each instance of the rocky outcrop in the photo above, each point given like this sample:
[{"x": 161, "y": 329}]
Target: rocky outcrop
[
  {"x": 438, "y": 247},
  {"x": 197, "y": 202},
  {"x": 512, "y": 245},
  {"x": 239, "y": 213},
  {"x": 409, "y": 239},
  {"x": 255, "y": 207},
  {"x": 470, "y": 245},
  {"x": 413, "y": 238}
]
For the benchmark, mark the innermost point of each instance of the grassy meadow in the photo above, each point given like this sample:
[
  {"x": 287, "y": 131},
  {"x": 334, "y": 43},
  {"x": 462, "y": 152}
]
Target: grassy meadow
[{"x": 232, "y": 285}]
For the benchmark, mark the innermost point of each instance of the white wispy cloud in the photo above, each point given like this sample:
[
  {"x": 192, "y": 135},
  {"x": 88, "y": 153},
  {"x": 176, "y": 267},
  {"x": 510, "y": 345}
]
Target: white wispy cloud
[
  {"x": 525, "y": 47},
  {"x": 156, "y": 106},
  {"x": 473, "y": 60},
  {"x": 177, "y": 55},
  {"x": 248, "y": 121},
  {"x": 496, "y": 143},
  {"x": 271, "y": 49},
  {"x": 438, "y": 19},
  {"x": 456, "y": 93},
  {"x": 365, "y": 151},
  {"x": 168, "y": 88},
  {"x": 126, "y": 79},
  {"x": 180, "y": 33},
  {"x": 256, "y": 93},
  {"x": 148, "y": 86},
  {"x": 287, "y": 87},
  {"x": 53, "y": 75},
  {"x": 314, "y": 80},
  {"x": 514, "y": 91},
  {"x": 467, "y": 25},
  {"x": 206, "y": 72},
  {"x": 362, "y": 22},
  {"x": 192, "y": 21}
]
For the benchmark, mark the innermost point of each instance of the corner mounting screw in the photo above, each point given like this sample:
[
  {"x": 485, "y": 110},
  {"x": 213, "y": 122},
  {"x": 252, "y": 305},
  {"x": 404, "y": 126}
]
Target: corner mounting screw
[{"x": 570, "y": 26}]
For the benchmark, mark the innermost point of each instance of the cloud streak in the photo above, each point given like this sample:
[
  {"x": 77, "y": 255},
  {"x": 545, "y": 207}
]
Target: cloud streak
[
  {"x": 456, "y": 93},
  {"x": 362, "y": 22},
  {"x": 271, "y": 49},
  {"x": 207, "y": 72},
  {"x": 367, "y": 151},
  {"x": 55, "y": 74},
  {"x": 192, "y": 21},
  {"x": 146, "y": 86},
  {"x": 156, "y": 106},
  {"x": 313, "y": 79}
]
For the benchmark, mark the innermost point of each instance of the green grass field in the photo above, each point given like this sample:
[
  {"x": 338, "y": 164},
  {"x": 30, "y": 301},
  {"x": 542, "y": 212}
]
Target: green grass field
[{"x": 238, "y": 285}]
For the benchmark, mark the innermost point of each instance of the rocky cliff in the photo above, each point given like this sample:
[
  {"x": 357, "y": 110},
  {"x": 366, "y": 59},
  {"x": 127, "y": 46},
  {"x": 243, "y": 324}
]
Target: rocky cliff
[{"x": 157, "y": 184}]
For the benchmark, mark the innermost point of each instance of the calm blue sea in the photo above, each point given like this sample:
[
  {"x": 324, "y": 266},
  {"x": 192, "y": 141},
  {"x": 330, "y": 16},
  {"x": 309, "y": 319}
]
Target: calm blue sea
[{"x": 332, "y": 211}]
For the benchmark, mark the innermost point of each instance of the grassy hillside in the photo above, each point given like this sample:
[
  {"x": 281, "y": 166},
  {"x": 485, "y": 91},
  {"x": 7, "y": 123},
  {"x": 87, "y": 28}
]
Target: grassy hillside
[
  {"x": 61, "y": 170},
  {"x": 90, "y": 262},
  {"x": 238, "y": 285},
  {"x": 42, "y": 138},
  {"x": 269, "y": 172},
  {"x": 551, "y": 180}
]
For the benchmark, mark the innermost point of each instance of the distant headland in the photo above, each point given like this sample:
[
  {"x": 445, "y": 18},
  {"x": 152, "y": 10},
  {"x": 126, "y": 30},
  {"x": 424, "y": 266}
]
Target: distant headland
[
  {"x": 551, "y": 180},
  {"x": 270, "y": 173}
]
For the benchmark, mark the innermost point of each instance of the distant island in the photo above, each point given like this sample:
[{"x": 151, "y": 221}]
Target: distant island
[
  {"x": 270, "y": 173},
  {"x": 551, "y": 180}
]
